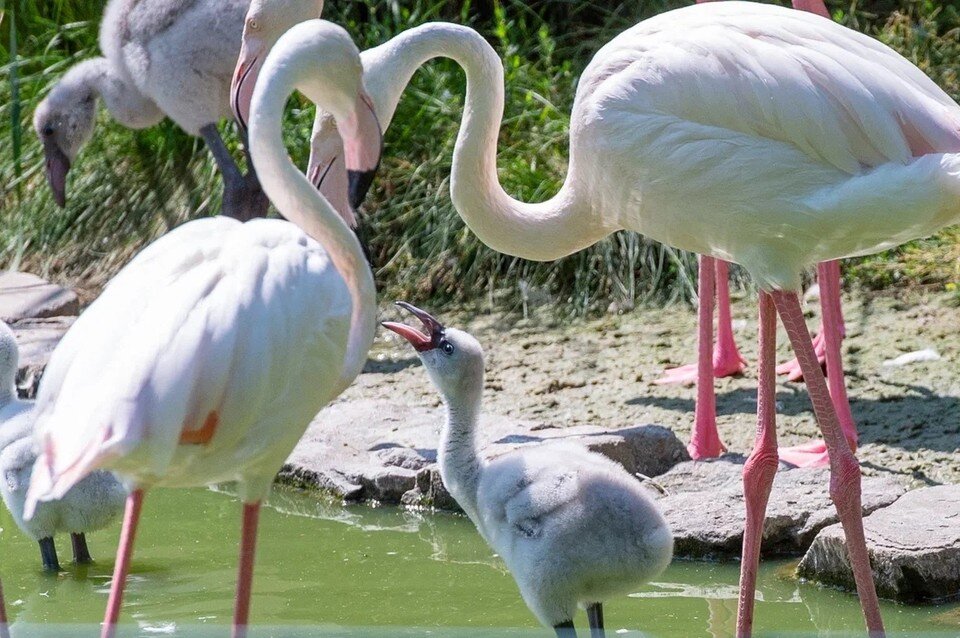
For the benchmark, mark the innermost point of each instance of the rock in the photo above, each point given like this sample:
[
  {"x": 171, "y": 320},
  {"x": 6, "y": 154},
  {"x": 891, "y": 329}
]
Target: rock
[
  {"x": 914, "y": 547},
  {"x": 385, "y": 450},
  {"x": 36, "y": 339},
  {"x": 26, "y": 296},
  {"x": 704, "y": 506}
]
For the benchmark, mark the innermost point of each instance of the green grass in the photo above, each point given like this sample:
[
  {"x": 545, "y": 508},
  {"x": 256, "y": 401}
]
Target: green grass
[{"x": 130, "y": 186}]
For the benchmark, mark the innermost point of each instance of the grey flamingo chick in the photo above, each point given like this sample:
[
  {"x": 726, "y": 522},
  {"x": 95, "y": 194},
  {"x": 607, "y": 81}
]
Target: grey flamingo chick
[
  {"x": 92, "y": 504},
  {"x": 573, "y": 527},
  {"x": 163, "y": 58}
]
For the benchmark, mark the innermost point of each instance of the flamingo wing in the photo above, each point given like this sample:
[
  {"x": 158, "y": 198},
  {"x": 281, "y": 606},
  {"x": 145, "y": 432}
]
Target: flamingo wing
[{"x": 839, "y": 96}]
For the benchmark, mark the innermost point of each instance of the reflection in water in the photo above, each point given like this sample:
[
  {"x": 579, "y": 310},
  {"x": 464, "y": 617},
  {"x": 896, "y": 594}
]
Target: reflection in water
[{"x": 358, "y": 571}]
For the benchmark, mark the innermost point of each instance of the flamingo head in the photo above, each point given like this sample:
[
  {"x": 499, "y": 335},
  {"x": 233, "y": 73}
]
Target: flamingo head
[
  {"x": 265, "y": 22},
  {"x": 452, "y": 358},
  {"x": 64, "y": 123}
]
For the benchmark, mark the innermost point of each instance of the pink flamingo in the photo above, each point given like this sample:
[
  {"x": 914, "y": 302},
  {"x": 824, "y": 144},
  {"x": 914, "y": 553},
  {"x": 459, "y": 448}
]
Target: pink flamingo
[{"x": 726, "y": 360}]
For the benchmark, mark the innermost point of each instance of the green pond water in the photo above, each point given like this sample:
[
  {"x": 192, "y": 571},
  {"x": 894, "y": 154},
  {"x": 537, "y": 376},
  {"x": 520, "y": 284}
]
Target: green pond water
[{"x": 326, "y": 570}]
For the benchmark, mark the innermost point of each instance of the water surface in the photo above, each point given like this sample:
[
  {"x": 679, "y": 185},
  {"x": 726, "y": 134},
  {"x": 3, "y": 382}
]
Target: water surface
[{"x": 325, "y": 570}]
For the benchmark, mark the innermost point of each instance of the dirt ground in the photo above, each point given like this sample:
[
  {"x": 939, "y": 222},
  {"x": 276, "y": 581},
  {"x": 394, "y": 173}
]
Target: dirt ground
[{"x": 602, "y": 371}]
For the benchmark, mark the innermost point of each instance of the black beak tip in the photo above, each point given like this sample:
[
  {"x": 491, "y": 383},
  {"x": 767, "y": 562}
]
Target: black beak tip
[{"x": 359, "y": 183}]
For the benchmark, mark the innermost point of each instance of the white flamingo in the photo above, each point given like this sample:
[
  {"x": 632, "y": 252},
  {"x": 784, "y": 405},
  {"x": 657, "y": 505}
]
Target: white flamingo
[
  {"x": 162, "y": 58},
  {"x": 573, "y": 527},
  {"x": 206, "y": 357},
  {"x": 810, "y": 141},
  {"x": 92, "y": 504}
]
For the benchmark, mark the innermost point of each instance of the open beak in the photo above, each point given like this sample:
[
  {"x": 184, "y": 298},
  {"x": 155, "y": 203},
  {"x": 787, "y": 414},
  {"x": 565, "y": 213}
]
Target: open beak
[
  {"x": 362, "y": 147},
  {"x": 245, "y": 79},
  {"x": 421, "y": 341},
  {"x": 57, "y": 165}
]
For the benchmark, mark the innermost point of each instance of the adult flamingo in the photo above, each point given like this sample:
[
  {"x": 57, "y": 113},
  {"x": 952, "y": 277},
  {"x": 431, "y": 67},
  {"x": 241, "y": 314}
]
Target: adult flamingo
[
  {"x": 206, "y": 357},
  {"x": 811, "y": 141},
  {"x": 705, "y": 441},
  {"x": 162, "y": 58}
]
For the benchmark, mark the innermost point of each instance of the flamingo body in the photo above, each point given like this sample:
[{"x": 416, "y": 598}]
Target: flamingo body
[
  {"x": 773, "y": 138},
  {"x": 232, "y": 328}
]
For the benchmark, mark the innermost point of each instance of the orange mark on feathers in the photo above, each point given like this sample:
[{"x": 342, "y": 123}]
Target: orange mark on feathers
[{"x": 204, "y": 434}]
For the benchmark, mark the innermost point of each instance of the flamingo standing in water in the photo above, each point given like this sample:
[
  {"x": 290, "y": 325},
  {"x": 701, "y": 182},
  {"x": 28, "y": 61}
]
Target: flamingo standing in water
[
  {"x": 812, "y": 142},
  {"x": 162, "y": 58},
  {"x": 725, "y": 361},
  {"x": 206, "y": 357}
]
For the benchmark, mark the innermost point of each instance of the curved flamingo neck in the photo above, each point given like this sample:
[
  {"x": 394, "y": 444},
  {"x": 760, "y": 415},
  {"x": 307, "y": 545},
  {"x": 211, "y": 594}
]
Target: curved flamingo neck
[
  {"x": 543, "y": 231},
  {"x": 124, "y": 102},
  {"x": 294, "y": 196}
]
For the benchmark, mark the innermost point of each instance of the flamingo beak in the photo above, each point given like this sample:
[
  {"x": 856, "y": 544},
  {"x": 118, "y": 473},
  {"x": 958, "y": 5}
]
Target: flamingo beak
[
  {"x": 245, "y": 79},
  {"x": 421, "y": 341},
  {"x": 57, "y": 167},
  {"x": 362, "y": 147}
]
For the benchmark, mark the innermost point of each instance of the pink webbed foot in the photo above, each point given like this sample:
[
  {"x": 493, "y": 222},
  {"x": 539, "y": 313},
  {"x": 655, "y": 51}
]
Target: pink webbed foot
[
  {"x": 810, "y": 454},
  {"x": 724, "y": 365},
  {"x": 792, "y": 368}
]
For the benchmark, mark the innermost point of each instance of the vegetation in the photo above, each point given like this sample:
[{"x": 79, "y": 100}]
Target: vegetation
[{"x": 129, "y": 186}]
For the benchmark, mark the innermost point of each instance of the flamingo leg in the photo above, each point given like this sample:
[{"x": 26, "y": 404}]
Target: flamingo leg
[
  {"x": 131, "y": 516},
  {"x": 240, "y": 199},
  {"x": 48, "y": 554},
  {"x": 565, "y": 630},
  {"x": 4, "y": 630},
  {"x": 705, "y": 442},
  {"x": 595, "y": 619},
  {"x": 814, "y": 453},
  {"x": 248, "y": 546},
  {"x": 81, "y": 553},
  {"x": 844, "y": 468},
  {"x": 727, "y": 361},
  {"x": 761, "y": 467}
]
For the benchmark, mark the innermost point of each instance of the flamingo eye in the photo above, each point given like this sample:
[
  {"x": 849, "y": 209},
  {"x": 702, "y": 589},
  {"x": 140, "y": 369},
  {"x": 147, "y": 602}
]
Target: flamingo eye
[
  {"x": 253, "y": 24},
  {"x": 447, "y": 347}
]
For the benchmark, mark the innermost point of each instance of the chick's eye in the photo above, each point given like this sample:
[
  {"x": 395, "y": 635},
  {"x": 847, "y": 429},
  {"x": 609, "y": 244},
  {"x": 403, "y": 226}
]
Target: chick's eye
[
  {"x": 447, "y": 347},
  {"x": 48, "y": 130}
]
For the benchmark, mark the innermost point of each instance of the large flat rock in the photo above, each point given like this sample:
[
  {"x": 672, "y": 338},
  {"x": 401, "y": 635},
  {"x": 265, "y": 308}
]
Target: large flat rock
[
  {"x": 36, "y": 339},
  {"x": 26, "y": 296},
  {"x": 914, "y": 548},
  {"x": 704, "y": 506},
  {"x": 386, "y": 451}
]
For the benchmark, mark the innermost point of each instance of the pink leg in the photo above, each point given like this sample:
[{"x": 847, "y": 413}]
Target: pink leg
[
  {"x": 124, "y": 551},
  {"x": 844, "y": 468},
  {"x": 761, "y": 467},
  {"x": 705, "y": 441},
  {"x": 727, "y": 361},
  {"x": 814, "y": 453},
  {"x": 4, "y": 631},
  {"x": 792, "y": 368},
  {"x": 248, "y": 546}
]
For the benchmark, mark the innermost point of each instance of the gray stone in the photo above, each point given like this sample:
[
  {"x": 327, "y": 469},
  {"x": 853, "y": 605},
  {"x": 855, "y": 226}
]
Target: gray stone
[
  {"x": 705, "y": 508},
  {"x": 914, "y": 548},
  {"x": 385, "y": 450},
  {"x": 36, "y": 339},
  {"x": 26, "y": 296}
]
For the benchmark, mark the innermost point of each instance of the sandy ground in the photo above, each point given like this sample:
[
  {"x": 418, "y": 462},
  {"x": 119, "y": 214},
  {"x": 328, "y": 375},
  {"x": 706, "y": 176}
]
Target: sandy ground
[{"x": 602, "y": 371}]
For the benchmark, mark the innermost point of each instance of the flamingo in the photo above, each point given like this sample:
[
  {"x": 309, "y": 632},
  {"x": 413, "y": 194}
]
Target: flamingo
[
  {"x": 206, "y": 357},
  {"x": 161, "y": 58},
  {"x": 726, "y": 359},
  {"x": 573, "y": 527},
  {"x": 94, "y": 503},
  {"x": 812, "y": 143}
]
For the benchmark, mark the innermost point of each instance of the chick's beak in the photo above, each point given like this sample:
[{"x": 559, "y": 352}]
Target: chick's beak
[{"x": 421, "y": 341}]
